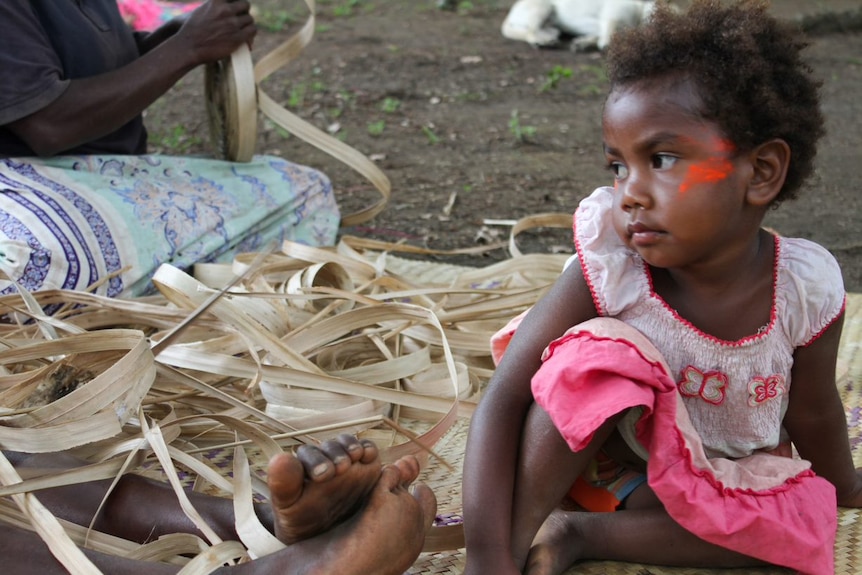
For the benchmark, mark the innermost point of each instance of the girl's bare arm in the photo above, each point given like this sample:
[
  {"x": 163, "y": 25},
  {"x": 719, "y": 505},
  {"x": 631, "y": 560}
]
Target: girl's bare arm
[
  {"x": 815, "y": 416},
  {"x": 495, "y": 431}
]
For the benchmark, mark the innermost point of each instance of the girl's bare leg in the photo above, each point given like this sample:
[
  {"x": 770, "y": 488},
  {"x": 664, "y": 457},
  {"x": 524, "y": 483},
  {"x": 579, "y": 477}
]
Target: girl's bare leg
[
  {"x": 547, "y": 468},
  {"x": 643, "y": 533}
]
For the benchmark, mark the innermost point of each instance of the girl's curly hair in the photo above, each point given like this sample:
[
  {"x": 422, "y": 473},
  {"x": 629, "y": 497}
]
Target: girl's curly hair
[{"x": 747, "y": 68}]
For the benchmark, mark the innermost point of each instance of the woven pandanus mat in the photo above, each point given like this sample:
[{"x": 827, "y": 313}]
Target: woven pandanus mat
[
  {"x": 848, "y": 542},
  {"x": 206, "y": 384},
  {"x": 200, "y": 385}
]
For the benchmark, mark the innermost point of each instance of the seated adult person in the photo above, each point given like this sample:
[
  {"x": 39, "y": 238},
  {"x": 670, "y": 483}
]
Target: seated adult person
[
  {"x": 335, "y": 506},
  {"x": 80, "y": 198}
]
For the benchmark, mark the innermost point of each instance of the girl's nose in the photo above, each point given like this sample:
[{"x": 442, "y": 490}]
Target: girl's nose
[{"x": 634, "y": 192}]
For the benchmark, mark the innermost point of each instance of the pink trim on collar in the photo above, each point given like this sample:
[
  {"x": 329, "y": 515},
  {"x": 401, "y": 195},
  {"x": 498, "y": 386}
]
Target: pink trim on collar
[{"x": 773, "y": 313}]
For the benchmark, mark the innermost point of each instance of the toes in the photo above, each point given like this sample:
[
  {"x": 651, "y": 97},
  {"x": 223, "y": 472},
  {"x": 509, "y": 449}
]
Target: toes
[
  {"x": 390, "y": 478},
  {"x": 285, "y": 477},
  {"x": 333, "y": 457},
  {"x": 338, "y": 454},
  {"x": 408, "y": 467},
  {"x": 400, "y": 474},
  {"x": 369, "y": 451},
  {"x": 427, "y": 501},
  {"x": 362, "y": 450},
  {"x": 351, "y": 445},
  {"x": 317, "y": 464}
]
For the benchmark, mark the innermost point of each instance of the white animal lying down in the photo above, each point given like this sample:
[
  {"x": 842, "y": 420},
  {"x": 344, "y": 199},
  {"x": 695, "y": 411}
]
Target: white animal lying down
[{"x": 593, "y": 22}]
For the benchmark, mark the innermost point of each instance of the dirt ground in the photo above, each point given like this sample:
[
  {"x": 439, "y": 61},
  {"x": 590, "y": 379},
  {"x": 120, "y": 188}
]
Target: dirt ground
[{"x": 471, "y": 127}]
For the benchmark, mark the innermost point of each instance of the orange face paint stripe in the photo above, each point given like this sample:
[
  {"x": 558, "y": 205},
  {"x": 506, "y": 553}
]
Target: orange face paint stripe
[{"x": 708, "y": 172}]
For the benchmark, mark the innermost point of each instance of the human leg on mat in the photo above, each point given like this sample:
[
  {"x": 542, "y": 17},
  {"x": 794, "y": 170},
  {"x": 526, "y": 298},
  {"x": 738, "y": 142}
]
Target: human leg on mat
[
  {"x": 336, "y": 507},
  {"x": 547, "y": 540}
]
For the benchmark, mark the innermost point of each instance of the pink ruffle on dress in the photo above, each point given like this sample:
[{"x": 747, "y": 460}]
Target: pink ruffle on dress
[{"x": 765, "y": 506}]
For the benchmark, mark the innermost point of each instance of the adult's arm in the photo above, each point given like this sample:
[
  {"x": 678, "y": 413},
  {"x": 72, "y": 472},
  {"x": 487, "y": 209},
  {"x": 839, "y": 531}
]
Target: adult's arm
[
  {"x": 92, "y": 107},
  {"x": 497, "y": 424}
]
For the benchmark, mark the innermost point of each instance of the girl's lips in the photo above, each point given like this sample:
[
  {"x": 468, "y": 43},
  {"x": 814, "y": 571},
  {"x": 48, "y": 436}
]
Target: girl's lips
[{"x": 642, "y": 235}]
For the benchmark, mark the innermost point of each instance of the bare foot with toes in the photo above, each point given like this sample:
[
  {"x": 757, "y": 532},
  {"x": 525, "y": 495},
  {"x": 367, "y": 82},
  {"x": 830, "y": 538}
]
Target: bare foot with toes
[
  {"x": 321, "y": 486},
  {"x": 345, "y": 513},
  {"x": 386, "y": 536}
]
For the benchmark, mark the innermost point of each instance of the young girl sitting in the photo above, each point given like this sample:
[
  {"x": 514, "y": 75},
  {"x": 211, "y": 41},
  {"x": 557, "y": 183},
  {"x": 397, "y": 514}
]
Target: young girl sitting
[{"x": 702, "y": 346}]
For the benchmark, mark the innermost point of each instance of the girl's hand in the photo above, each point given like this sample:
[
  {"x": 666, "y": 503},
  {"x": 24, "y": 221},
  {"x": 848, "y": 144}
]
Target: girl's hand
[{"x": 854, "y": 497}]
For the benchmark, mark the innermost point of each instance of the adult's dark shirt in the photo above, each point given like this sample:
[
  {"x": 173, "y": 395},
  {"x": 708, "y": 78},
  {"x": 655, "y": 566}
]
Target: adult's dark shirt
[{"x": 46, "y": 43}]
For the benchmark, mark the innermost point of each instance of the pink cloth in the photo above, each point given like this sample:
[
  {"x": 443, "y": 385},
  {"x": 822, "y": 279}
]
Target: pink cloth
[
  {"x": 147, "y": 15},
  {"x": 764, "y": 506}
]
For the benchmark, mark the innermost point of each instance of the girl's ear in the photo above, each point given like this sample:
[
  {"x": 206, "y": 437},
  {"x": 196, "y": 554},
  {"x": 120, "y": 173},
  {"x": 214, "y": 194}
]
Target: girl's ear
[{"x": 769, "y": 163}]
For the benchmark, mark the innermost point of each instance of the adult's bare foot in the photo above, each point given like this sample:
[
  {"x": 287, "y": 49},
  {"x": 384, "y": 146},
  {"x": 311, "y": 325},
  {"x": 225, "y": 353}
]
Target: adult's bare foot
[
  {"x": 558, "y": 544},
  {"x": 321, "y": 486},
  {"x": 383, "y": 537},
  {"x": 386, "y": 536}
]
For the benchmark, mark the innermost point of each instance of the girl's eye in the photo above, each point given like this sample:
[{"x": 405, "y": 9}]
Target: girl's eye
[
  {"x": 619, "y": 171},
  {"x": 663, "y": 161}
]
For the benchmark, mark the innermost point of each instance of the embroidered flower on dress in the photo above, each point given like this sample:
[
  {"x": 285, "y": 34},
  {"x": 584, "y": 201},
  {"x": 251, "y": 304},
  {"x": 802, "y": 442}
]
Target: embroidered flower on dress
[
  {"x": 763, "y": 389},
  {"x": 710, "y": 386}
]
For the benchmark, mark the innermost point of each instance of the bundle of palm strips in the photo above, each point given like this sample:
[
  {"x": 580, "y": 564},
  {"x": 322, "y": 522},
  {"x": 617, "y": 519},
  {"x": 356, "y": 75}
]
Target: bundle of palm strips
[{"x": 238, "y": 363}]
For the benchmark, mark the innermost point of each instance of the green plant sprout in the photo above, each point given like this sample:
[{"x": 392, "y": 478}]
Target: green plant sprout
[
  {"x": 520, "y": 132},
  {"x": 554, "y": 76},
  {"x": 429, "y": 133},
  {"x": 390, "y": 105},
  {"x": 376, "y": 128},
  {"x": 297, "y": 96}
]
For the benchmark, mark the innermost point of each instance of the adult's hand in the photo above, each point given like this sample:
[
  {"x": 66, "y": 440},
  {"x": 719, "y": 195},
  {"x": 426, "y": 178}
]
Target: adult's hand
[
  {"x": 215, "y": 30},
  {"x": 219, "y": 25}
]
